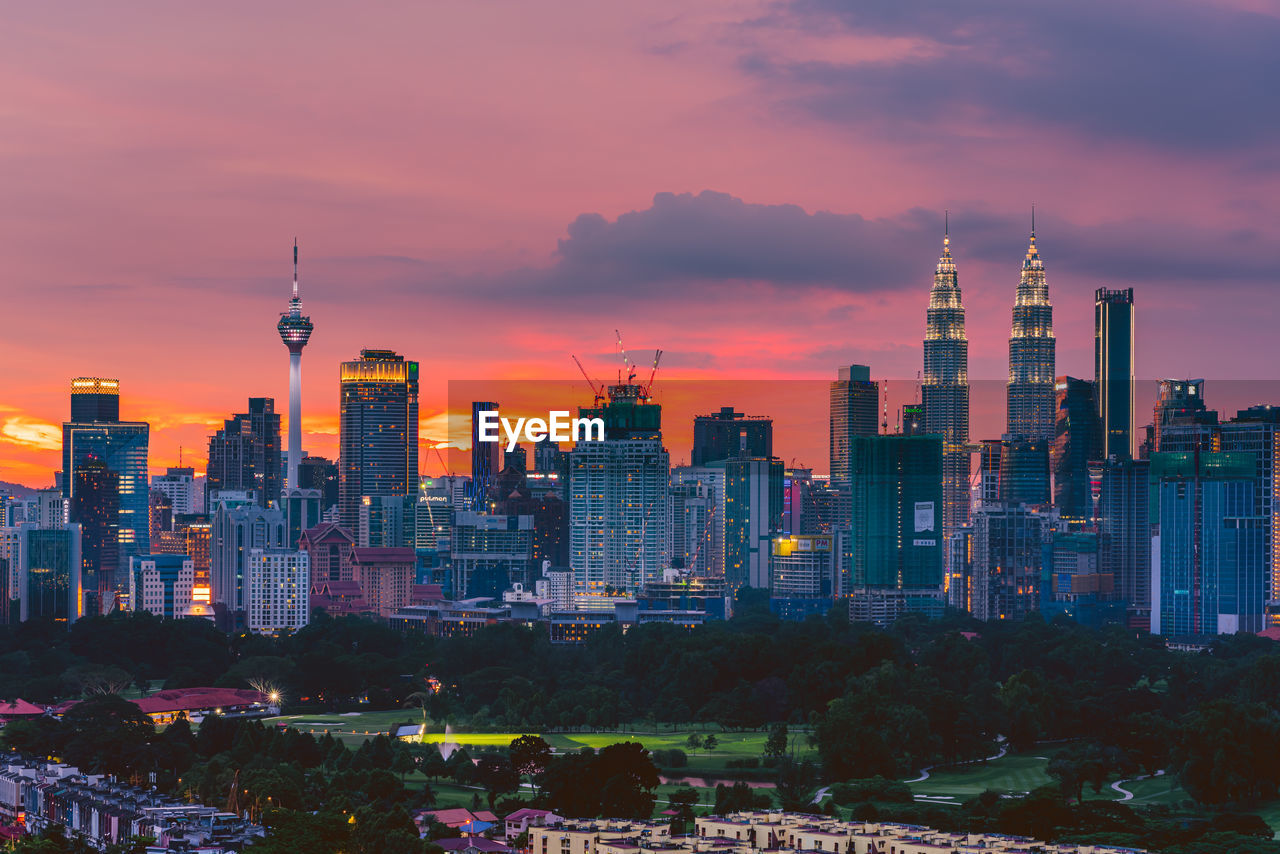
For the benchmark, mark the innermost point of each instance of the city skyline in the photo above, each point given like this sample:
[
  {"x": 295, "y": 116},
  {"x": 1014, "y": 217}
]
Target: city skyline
[{"x": 178, "y": 205}]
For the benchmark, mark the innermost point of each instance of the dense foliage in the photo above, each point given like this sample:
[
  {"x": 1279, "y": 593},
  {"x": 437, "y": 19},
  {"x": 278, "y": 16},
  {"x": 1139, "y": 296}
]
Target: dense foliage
[{"x": 875, "y": 702}]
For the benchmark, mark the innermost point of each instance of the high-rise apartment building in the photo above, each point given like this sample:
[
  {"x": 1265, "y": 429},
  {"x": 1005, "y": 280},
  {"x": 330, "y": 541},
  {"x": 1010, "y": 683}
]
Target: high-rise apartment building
[
  {"x": 1113, "y": 370},
  {"x": 378, "y": 430},
  {"x": 244, "y": 456},
  {"x": 945, "y": 386},
  {"x": 854, "y": 399},
  {"x": 178, "y": 483},
  {"x": 278, "y": 590},
  {"x": 239, "y": 528},
  {"x": 94, "y": 432},
  {"x": 618, "y": 494},
  {"x": 697, "y": 518},
  {"x": 1031, "y": 411}
]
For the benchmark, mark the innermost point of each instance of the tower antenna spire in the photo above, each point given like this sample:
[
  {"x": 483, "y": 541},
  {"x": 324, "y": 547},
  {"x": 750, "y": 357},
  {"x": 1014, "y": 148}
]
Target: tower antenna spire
[
  {"x": 295, "y": 268},
  {"x": 1033, "y": 219}
]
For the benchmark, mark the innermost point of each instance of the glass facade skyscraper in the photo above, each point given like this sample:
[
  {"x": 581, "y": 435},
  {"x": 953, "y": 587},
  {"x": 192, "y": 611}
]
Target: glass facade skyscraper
[
  {"x": 945, "y": 386},
  {"x": 1113, "y": 370},
  {"x": 377, "y": 432},
  {"x": 244, "y": 455},
  {"x": 896, "y": 499},
  {"x": 122, "y": 447},
  {"x": 728, "y": 434},
  {"x": 1077, "y": 442},
  {"x": 1031, "y": 353}
]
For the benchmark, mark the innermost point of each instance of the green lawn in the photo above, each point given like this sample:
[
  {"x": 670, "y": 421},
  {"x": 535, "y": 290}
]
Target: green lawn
[{"x": 1012, "y": 774}]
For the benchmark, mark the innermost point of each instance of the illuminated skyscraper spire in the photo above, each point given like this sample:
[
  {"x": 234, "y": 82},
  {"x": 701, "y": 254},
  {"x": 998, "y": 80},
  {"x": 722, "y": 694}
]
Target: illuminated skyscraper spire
[
  {"x": 295, "y": 331},
  {"x": 1031, "y": 409},
  {"x": 945, "y": 384}
]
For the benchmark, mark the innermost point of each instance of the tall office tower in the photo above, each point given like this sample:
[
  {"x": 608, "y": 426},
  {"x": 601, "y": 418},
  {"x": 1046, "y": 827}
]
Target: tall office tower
[
  {"x": 94, "y": 399},
  {"x": 488, "y": 552},
  {"x": 1031, "y": 352},
  {"x": 121, "y": 446},
  {"x": 945, "y": 387},
  {"x": 698, "y": 510},
  {"x": 911, "y": 419},
  {"x": 959, "y": 571},
  {"x": 1077, "y": 442},
  {"x": 295, "y": 332},
  {"x": 320, "y": 474},
  {"x": 854, "y": 403},
  {"x": 95, "y": 507},
  {"x": 752, "y": 518},
  {"x": 179, "y": 484},
  {"x": 278, "y": 590},
  {"x": 896, "y": 493},
  {"x": 689, "y": 530},
  {"x": 48, "y": 577},
  {"x": 855, "y": 400},
  {"x": 378, "y": 431},
  {"x": 486, "y": 457},
  {"x": 618, "y": 494},
  {"x": 727, "y": 434},
  {"x": 1257, "y": 430},
  {"x": 238, "y": 528},
  {"x": 1208, "y": 563},
  {"x": 1181, "y": 420},
  {"x": 244, "y": 456},
  {"x": 1113, "y": 370},
  {"x": 1024, "y": 471},
  {"x": 1124, "y": 534},
  {"x": 1008, "y": 555}
]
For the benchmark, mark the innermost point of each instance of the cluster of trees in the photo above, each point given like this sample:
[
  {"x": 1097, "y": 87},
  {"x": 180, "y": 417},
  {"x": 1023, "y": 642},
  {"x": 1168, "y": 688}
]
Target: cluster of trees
[{"x": 876, "y": 702}]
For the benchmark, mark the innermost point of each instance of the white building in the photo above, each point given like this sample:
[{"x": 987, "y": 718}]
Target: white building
[
  {"x": 278, "y": 588},
  {"x": 618, "y": 500},
  {"x": 239, "y": 526},
  {"x": 165, "y": 585},
  {"x": 179, "y": 484}
]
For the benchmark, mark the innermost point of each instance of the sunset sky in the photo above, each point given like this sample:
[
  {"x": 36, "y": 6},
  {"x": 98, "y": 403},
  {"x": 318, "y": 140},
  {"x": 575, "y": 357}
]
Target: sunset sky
[{"x": 487, "y": 186}]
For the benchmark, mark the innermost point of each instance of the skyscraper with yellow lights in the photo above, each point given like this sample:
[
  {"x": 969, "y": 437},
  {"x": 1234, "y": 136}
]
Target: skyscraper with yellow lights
[
  {"x": 1031, "y": 409},
  {"x": 945, "y": 386}
]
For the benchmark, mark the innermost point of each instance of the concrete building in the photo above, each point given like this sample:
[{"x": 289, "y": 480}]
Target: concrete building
[
  {"x": 385, "y": 575},
  {"x": 166, "y": 585},
  {"x": 279, "y": 588}
]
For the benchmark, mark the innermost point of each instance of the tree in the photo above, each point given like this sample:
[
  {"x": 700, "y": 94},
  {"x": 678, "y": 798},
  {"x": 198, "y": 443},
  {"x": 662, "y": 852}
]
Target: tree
[
  {"x": 694, "y": 741},
  {"x": 530, "y": 756},
  {"x": 709, "y": 743},
  {"x": 496, "y": 773},
  {"x": 776, "y": 744},
  {"x": 107, "y": 734}
]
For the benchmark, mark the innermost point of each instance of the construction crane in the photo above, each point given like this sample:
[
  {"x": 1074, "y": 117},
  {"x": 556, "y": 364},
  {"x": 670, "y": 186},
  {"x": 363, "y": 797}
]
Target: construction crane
[
  {"x": 626, "y": 362},
  {"x": 596, "y": 390},
  {"x": 648, "y": 387}
]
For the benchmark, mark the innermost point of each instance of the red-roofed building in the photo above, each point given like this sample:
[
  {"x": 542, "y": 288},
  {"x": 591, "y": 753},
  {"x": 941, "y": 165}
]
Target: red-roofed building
[
  {"x": 165, "y": 706},
  {"x": 19, "y": 710},
  {"x": 386, "y": 576},
  {"x": 329, "y": 547},
  {"x": 338, "y": 598},
  {"x": 426, "y": 594}
]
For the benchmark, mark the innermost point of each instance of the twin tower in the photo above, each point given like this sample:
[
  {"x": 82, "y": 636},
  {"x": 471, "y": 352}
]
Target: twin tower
[{"x": 945, "y": 382}]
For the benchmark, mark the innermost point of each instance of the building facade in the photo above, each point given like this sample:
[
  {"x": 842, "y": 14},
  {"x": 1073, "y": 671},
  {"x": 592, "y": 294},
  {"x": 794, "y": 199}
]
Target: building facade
[
  {"x": 377, "y": 432},
  {"x": 244, "y": 455},
  {"x": 945, "y": 386},
  {"x": 279, "y": 588},
  {"x": 1113, "y": 370},
  {"x": 1030, "y": 408}
]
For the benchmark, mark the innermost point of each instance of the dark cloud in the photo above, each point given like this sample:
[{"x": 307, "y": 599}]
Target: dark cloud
[
  {"x": 712, "y": 246},
  {"x": 1173, "y": 75}
]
